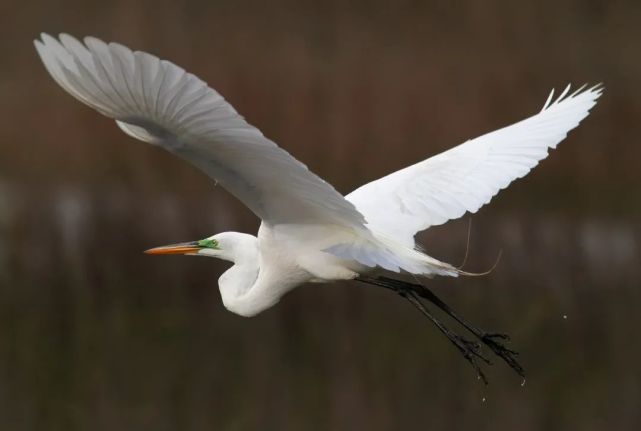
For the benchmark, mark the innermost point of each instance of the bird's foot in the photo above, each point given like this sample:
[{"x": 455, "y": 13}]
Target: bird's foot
[
  {"x": 494, "y": 342},
  {"x": 471, "y": 351}
]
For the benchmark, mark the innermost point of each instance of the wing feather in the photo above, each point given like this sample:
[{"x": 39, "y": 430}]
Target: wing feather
[
  {"x": 158, "y": 102},
  {"x": 466, "y": 177}
]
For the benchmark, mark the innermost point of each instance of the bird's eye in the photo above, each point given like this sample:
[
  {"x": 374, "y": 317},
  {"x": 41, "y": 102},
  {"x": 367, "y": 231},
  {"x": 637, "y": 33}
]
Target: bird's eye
[{"x": 208, "y": 243}]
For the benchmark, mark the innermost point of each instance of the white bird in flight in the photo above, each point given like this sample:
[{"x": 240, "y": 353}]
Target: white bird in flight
[{"x": 309, "y": 231}]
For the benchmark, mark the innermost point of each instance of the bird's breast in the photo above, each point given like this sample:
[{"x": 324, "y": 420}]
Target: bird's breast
[{"x": 302, "y": 247}]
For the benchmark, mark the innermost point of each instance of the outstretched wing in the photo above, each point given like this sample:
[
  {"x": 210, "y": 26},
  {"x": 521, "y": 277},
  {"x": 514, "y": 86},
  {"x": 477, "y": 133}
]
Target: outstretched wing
[
  {"x": 158, "y": 102},
  {"x": 466, "y": 177}
]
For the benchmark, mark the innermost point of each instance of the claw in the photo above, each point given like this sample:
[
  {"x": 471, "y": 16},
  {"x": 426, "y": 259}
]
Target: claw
[
  {"x": 508, "y": 355},
  {"x": 470, "y": 356},
  {"x": 468, "y": 347},
  {"x": 479, "y": 373}
]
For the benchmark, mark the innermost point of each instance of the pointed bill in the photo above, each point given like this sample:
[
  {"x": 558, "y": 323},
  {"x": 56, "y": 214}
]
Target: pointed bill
[{"x": 180, "y": 248}]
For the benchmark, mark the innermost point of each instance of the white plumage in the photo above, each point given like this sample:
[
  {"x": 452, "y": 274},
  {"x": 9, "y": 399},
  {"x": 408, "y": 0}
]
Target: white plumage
[
  {"x": 158, "y": 102},
  {"x": 310, "y": 232},
  {"x": 466, "y": 177}
]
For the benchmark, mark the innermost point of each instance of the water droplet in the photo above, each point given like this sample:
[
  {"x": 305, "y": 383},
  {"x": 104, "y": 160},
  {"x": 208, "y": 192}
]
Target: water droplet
[
  {"x": 483, "y": 400},
  {"x": 523, "y": 383},
  {"x": 565, "y": 316}
]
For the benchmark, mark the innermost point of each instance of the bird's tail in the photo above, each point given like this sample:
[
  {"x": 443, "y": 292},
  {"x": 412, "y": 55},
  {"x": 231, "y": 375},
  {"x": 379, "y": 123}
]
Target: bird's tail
[
  {"x": 416, "y": 261},
  {"x": 377, "y": 250}
]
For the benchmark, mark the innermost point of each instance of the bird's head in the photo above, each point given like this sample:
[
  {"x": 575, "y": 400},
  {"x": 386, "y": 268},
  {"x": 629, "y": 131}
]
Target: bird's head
[
  {"x": 230, "y": 246},
  {"x": 205, "y": 247}
]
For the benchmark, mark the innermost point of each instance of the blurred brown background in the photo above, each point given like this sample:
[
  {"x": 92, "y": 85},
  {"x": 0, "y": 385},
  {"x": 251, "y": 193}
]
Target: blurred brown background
[{"x": 94, "y": 335}]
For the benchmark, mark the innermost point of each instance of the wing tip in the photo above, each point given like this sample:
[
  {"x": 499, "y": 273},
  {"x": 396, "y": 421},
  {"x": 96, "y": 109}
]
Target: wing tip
[
  {"x": 40, "y": 38},
  {"x": 594, "y": 92}
]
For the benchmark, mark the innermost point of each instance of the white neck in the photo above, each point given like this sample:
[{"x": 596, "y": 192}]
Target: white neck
[
  {"x": 247, "y": 288},
  {"x": 237, "y": 284},
  {"x": 242, "y": 250}
]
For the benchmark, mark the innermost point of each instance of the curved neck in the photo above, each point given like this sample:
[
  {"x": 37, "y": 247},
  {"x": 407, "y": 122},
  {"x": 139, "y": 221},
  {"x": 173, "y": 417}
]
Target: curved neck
[
  {"x": 236, "y": 284},
  {"x": 247, "y": 288}
]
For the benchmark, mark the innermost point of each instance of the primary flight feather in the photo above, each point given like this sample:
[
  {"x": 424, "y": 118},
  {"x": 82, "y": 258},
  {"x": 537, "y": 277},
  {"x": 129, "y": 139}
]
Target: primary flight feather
[
  {"x": 309, "y": 231},
  {"x": 466, "y": 177}
]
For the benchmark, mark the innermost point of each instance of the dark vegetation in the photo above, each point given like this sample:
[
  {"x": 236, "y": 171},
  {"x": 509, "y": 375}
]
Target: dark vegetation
[{"x": 96, "y": 335}]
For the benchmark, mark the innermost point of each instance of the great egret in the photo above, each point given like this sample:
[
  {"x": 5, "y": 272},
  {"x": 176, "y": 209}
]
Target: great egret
[{"x": 309, "y": 231}]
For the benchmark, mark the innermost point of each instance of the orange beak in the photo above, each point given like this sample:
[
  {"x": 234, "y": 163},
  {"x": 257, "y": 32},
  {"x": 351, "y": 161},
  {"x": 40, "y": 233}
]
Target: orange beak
[{"x": 181, "y": 248}]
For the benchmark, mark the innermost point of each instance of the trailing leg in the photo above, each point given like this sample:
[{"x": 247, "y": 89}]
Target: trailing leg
[
  {"x": 490, "y": 339},
  {"x": 469, "y": 349},
  {"x": 412, "y": 292}
]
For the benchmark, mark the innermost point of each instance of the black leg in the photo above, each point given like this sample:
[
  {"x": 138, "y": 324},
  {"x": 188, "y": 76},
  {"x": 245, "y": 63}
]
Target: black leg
[
  {"x": 490, "y": 339},
  {"x": 412, "y": 292},
  {"x": 469, "y": 349}
]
